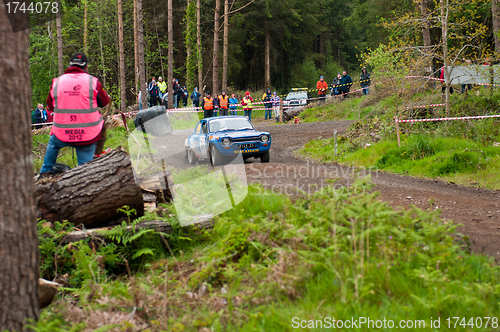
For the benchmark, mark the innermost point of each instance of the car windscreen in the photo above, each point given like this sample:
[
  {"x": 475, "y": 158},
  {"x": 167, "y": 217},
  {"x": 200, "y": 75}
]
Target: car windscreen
[
  {"x": 228, "y": 124},
  {"x": 296, "y": 96}
]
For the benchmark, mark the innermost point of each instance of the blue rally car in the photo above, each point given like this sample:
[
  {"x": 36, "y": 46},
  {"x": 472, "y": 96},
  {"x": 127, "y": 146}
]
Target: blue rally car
[{"x": 223, "y": 137}]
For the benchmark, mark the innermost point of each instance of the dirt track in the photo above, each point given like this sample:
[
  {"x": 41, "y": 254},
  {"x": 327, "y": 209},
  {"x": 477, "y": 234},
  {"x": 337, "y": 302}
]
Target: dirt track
[{"x": 477, "y": 209}]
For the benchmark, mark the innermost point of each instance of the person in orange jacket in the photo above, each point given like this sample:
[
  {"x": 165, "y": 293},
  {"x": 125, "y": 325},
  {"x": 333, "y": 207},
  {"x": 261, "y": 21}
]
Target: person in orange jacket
[{"x": 322, "y": 86}]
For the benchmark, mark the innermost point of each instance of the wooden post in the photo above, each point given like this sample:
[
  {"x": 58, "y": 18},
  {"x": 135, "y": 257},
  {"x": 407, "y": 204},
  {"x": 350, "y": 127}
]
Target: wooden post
[
  {"x": 281, "y": 110},
  {"x": 397, "y": 131}
]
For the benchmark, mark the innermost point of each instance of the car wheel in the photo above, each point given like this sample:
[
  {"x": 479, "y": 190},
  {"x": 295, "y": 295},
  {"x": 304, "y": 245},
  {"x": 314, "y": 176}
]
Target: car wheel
[
  {"x": 265, "y": 157},
  {"x": 191, "y": 157},
  {"x": 215, "y": 156}
]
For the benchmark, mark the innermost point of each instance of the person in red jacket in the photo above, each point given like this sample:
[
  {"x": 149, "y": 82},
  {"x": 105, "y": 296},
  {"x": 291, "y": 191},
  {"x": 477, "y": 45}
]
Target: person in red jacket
[
  {"x": 322, "y": 86},
  {"x": 74, "y": 99}
]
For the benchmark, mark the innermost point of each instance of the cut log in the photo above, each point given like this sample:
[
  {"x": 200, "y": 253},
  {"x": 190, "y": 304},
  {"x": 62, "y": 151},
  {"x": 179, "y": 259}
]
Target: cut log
[
  {"x": 203, "y": 221},
  {"x": 46, "y": 292},
  {"x": 90, "y": 194},
  {"x": 288, "y": 114}
]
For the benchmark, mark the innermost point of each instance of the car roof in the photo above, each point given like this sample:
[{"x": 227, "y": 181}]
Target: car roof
[{"x": 226, "y": 117}]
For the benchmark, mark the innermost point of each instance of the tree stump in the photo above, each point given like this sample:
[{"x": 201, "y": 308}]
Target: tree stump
[{"x": 92, "y": 193}]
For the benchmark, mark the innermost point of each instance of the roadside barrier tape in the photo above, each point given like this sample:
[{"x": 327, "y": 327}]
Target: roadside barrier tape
[
  {"x": 451, "y": 119},
  {"x": 423, "y": 106},
  {"x": 43, "y": 123},
  {"x": 426, "y": 77},
  {"x": 442, "y": 80}
]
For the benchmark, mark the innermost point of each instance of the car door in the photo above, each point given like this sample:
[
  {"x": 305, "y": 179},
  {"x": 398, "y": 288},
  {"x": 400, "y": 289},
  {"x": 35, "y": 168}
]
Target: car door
[
  {"x": 194, "y": 140},
  {"x": 204, "y": 139}
]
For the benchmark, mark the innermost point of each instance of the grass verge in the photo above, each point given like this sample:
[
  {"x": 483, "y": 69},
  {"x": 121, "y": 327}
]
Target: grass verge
[
  {"x": 270, "y": 263},
  {"x": 451, "y": 159}
]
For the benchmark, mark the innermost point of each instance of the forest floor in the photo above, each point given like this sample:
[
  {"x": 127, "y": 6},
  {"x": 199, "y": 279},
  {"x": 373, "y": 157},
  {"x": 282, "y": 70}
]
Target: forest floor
[{"x": 288, "y": 173}]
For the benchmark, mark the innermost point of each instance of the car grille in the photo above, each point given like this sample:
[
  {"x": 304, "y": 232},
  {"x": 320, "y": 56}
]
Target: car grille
[{"x": 245, "y": 139}]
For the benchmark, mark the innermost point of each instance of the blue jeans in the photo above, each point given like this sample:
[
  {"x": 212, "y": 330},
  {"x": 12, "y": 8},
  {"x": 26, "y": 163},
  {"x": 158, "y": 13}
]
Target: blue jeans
[
  {"x": 268, "y": 111},
  {"x": 365, "y": 90},
  {"x": 84, "y": 153},
  {"x": 175, "y": 101},
  {"x": 248, "y": 113},
  {"x": 140, "y": 106},
  {"x": 233, "y": 112}
]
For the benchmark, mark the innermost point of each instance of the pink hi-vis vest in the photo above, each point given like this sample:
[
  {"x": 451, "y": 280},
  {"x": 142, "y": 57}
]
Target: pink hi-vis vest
[{"x": 76, "y": 114}]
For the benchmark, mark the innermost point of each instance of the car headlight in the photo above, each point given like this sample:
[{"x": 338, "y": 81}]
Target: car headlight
[
  {"x": 226, "y": 141},
  {"x": 264, "y": 138}
]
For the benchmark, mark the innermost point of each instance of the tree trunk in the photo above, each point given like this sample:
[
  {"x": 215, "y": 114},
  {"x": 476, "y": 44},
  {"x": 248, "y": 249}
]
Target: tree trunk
[
  {"x": 59, "y": 41},
  {"x": 136, "y": 49},
  {"x": 85, "y": 30},
  {"x": 215, "y": 58},
  {"x": 123, "y": 95},
  {"x": 140, "y": 50},
  {"x": 158, "y": 40},
  {"x": 426, "y": 33},
  {"x": 18, "y": 227},
  {"x": 267, "y": 59},
  {"x": 444, "y": 31},
  {"x": 203, "y": 221},
  {"x": 101, "y": 49},
  {"x": 189, "y": 73},
  {"x": 198, "y": 45},
  {"x": 170, "y": 55},
  {"x": 90, "y": 194},
  {"x": 225, "y": 45},
  {"x": 495, "y": 13}
]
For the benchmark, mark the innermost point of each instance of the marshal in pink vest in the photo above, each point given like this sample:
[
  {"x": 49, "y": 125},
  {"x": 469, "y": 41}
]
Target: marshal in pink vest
[{"x": 76, "y": 115}]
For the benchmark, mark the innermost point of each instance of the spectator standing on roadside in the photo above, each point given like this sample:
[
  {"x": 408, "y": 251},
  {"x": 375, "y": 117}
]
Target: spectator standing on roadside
[
  {"x": 44, "y": 114},
  {"x": 365, "y": 80},
  {"x": 336, "y": 85},
  {"x": 275, "y": 102},
  {"x": 38, "y": 116},
  {"x": 195, "y": 97},
  {"x": 139, "y": 99},
  {"x": 174, "y": 92},
  {"x": 266, "y": 98},
  {"x": 185, "y": 94},
  {"x": 345, "y": 84},
  {"x": 164, "y": 100},
  {"x": 154, "y": 94},
  {"x": 180, "y": 95},
  {"x": 321, "y": 86},
  {"x": 246, "y": 102},
  {"x": 162, "y": 85},
  {"x": 50, "y": 114},
  {"x": 223, "y": 103},
  {"x": 233, "y": 105},
  {"x": 208, "y": 106},
  {"x": 216, "y": 104}
]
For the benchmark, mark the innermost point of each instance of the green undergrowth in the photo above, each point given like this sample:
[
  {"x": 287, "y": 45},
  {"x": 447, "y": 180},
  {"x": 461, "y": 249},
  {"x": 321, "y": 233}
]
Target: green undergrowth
[
  {"x": 338, "y": 253},
  {"x": 451, "y": 159}
]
